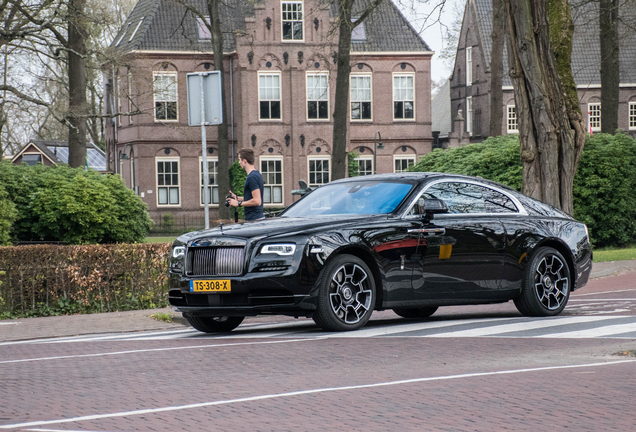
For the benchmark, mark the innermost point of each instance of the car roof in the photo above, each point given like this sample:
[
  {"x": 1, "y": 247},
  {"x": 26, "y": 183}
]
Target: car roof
[{"x": 418, "y": 176}]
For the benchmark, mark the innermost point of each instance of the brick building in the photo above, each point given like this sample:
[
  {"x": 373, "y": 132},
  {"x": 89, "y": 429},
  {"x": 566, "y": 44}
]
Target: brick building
[
  {"x": 470, "y": 81},
  {"x": 281, "y": 88}
]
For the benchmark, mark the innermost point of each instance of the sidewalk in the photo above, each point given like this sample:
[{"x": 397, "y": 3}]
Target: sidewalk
[{"x": 133, "y": 321}]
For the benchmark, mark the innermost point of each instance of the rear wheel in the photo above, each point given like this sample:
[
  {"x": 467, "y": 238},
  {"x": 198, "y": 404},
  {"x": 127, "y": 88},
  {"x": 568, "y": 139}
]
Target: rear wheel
[
  {"x": 421, "y": 312},
  {"x": 346, "y": 294},
  {"x": 547, "y": 284},
  {"x": 214, "y": 324}
]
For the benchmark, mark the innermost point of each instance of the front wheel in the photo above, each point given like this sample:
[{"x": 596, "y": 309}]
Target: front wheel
[
  {"x": 214, "y": 324},
  {"x": 346, "y": 295},
  {"x": 547, "y": 284}
]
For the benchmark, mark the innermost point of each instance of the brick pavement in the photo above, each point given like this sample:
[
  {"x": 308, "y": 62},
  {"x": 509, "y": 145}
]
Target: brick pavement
[{"x": 607, "y": 276}]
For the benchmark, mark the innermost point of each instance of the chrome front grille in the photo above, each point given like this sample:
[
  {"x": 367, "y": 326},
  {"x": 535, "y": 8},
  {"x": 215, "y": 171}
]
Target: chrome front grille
[{"x": 215, "y": 261}]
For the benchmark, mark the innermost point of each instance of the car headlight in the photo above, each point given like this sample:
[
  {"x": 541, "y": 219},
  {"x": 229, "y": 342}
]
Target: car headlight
[
  {"x": 282, "y": 249},
  {"x": 178, "y": 251}
]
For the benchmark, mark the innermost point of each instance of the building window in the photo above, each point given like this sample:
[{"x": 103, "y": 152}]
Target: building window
[
  {"x": 361, "y": 97},
  {"x": 469, "y": 66},
  {"x": 130, "y": 101},
  {"x": 31, "y": 159},
  {"x": 269, "y": 96},
  {"x": 213, "y": 182},
  {"x": 203, "y": 29},
  {"x": 292, "y": 21},
  {"x": 120, "y": 92},
  {"x": 594, "y": 116},
  {"x": 512, "y": 119},
  {"x": 358, "y": 34},
  {"x": 319, "y": 173},
  {"x": 168, "y": 190},
  {"x": 165, "y": 91},
  {"x": 133, "y": 180},
  {"x": 632, "y": 115},
  {"x": 403, "y": 162},
  {"x": 403, "y": 97},
  {"x": 365, "y": 165},
  {"x": 272, "y": 172},
  {"x": 317, "y": 96},
  {"x": 469, "y": 115}
]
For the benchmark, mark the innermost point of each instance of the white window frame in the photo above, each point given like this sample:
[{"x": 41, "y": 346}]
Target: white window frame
[
  {"x": 361, "y": 101},
  {"x": 130, "y": 102},
  {"x": 317, "y": 158},
  {"x": 399, "y": 75},
  {"x": 280, "y": 96},
  {"x": 469, "y": 115},
  {"x": 211, "y": 186},
  {"x": 592, "y": 118},
  {"x": 408, "y": 157},
  {"x": 283, "y": 21},
  {"x": 157, "y": 186},
  {"x": 366, "y": 159},
  {"x": 266, "y": 183},
  {"x": 154, "y": 95},
  {"x": 469, "y": 66},
  {"x": 512, "y": 119},
  {"x": 631, "y": 115},
  {"x": 316, "y": 74},
  {"x": 119, "y": 104},
  {"x": 132, "y": 169}
]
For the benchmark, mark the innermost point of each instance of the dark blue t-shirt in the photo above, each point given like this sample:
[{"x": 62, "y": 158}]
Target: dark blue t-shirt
[{"x": 253, "y": 181}]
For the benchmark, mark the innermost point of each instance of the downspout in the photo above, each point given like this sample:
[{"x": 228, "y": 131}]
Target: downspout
[
  {"x": 114, "y": 119},
  {"x": 232, "y": 104}
]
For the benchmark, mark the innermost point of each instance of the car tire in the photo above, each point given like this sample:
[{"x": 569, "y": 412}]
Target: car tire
[
  {"x": 420, "y": 312},
  {"x": 214, "y": 324},
  {"x": 346, "y": 294},
  {"x": 546, "y": 285}
]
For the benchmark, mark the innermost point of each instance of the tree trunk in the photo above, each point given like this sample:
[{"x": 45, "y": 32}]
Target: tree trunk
[
  {"x": 496, "y": 69},
  {"x": 610, "y": 79},
  {"x": 222, "y": 130},
  {"x": 77, "y": 84},
  {"x": 341, "y": 103},
  {"x": 551, "y": 130}
]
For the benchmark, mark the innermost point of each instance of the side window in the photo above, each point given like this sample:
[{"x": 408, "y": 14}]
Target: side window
[{"x": 469, "y": 198}]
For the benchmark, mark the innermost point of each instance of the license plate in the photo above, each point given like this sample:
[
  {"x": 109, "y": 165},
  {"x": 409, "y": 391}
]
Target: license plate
[{"x": 222, "y": 285}]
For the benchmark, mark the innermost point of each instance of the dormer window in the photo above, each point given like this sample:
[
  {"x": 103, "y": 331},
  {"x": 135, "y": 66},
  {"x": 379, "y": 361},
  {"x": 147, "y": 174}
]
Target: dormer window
[
  {"x": 204, "y": 30},
  {"x": 292, "y": 13},
  {"x": 358, "y": 34}
]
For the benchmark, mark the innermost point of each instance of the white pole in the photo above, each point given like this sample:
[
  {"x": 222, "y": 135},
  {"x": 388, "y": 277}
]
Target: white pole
[{"x": 204, "y": 150}]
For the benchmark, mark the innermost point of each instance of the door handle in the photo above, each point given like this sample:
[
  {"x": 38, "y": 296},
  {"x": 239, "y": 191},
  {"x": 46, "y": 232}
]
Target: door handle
[{"x": 429, "y": 231}]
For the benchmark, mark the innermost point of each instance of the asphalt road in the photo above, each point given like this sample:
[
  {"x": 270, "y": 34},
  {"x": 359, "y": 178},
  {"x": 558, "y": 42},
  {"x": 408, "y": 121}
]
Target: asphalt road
[{"x": 481, "y": 368}]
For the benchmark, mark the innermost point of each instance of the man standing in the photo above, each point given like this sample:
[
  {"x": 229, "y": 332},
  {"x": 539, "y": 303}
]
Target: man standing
[{"x": 252, "y": 198}]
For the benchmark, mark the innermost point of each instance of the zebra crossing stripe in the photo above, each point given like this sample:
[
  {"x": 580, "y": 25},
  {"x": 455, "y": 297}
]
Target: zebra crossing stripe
[{"x": 612, "y": 330}]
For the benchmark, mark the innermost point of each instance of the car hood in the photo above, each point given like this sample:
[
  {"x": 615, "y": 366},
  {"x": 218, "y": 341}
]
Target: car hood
[{"x": 279, "y": 226}]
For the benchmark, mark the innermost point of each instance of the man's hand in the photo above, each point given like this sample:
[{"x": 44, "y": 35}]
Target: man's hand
[{"x": 233, "y": 202}]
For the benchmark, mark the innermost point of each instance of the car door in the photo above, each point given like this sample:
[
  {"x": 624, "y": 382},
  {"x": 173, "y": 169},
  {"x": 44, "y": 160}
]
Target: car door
[{"x": 460, "y": 254}]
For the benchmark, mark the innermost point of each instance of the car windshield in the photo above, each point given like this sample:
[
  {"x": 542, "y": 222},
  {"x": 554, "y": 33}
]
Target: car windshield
[{"x": 359, "y": 197}]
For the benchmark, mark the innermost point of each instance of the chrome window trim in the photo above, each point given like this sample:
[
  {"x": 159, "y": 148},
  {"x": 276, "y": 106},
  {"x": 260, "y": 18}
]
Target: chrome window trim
[{"x": 521, "y": 209}]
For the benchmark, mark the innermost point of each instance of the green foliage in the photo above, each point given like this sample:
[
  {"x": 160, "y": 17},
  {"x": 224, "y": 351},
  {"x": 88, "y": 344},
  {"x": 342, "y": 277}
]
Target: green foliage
[
  {"x": 497, "y": 158},
  {"x": 8, "y": 215},
  {"x": 605, "y": 189},
  {"x": 353, "y": 166},
  {"x": 604, "y": 186},
  {"x": 73, "y": 205},
  {"x": 237, "y": 183}
]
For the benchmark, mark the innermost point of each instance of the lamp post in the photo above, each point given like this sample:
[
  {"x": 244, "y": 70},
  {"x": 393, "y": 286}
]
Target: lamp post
[{"x": 376, "y": 145}]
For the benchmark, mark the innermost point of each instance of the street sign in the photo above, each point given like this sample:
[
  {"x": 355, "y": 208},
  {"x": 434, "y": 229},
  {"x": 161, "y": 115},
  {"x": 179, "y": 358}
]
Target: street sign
[{"x": 204, "y": 86}]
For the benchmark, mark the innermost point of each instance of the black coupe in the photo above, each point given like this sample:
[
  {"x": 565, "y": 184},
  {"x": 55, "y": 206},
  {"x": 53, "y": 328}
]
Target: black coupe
[{"x": 410, "y": 242}]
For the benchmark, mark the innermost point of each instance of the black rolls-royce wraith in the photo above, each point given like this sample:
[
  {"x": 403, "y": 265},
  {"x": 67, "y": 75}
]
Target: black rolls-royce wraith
[{"x": 410, "y": 242}]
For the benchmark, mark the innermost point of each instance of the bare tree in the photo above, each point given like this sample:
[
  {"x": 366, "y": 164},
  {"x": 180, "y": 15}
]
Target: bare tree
[
  {"x": 496, "y": 68},
  {"x": 610, "y": 77},
  {"x": 551, "y": 129}
]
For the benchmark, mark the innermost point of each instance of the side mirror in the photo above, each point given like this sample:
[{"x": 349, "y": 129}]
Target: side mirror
[{"x": 430, "y": 207}]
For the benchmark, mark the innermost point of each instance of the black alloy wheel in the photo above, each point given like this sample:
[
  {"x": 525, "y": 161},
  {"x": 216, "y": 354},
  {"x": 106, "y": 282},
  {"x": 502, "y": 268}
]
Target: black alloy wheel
[
  {"x": 214, "y": 324},
  {"x": 546, "y": 286},
  {"x": 419, "y": 312},
  {"x": 346, "y": 295}
]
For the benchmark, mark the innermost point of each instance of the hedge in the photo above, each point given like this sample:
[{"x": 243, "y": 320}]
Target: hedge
[
  {"x": 604, "y": 185},
  {"x": 43, "y": 280}
]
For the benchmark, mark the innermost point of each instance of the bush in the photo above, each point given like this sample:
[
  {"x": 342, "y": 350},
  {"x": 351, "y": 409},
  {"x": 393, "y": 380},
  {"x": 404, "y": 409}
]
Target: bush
[
  {"x": 605, "y": 189},
  {"x": 7, "y": 216},
  {"x": 604, "y": 186},
  {"x": 44, "y": 280},
  {"x": 497, "y": 158},
  {"x": 73, "y": 205}
]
